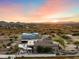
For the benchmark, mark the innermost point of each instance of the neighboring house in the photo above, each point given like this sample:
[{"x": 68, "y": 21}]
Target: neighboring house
[
  {"x": 70, "y": 47},
  {"x": 73, "y": 38},
  {"x": 4, "y": 39}
]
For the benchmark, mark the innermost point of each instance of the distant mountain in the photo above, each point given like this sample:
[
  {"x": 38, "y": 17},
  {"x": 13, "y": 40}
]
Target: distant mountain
[{"x": 15, "y": 25}]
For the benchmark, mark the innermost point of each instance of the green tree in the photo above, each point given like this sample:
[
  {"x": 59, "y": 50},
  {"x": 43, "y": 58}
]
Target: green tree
[
  {"x": 41, "y": 49},
  {"x": 47, "y": 49}
]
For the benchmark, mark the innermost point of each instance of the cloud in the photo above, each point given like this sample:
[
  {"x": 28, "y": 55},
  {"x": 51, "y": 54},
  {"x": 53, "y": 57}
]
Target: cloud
[
  {"x": 11, "y": 12},
  {"x": 42, "y": 13},
  {"x": 50, "y": 8}
]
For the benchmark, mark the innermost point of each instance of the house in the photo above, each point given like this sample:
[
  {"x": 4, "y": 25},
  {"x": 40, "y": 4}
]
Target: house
[
  {"x": 70, "y": 47},
  {"x": 73, "y": 37},
  {"x": 27, "y": 41},
  {"x": 30, "y": 41}
]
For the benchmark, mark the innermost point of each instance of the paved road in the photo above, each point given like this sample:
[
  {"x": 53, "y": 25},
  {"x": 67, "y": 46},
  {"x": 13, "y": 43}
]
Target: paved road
[
  {"x": 27, "y": 55},
  {"x": 35, "y": 55},
  {"x": 6, "y": 56}
]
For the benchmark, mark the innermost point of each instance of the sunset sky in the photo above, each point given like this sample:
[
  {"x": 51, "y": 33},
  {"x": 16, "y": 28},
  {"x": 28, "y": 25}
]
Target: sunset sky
[{"x": 39, "y": 10}]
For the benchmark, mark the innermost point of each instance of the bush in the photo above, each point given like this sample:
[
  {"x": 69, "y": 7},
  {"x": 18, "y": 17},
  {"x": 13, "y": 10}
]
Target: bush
[
  {"x": 41, "y": 49},
  {"x": 47, "y": 49}
]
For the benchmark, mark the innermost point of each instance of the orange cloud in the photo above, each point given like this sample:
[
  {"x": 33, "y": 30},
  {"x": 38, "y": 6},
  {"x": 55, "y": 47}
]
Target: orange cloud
[
  {"x": 11, "y": 12},
  {"x": 51, "y": 7}
]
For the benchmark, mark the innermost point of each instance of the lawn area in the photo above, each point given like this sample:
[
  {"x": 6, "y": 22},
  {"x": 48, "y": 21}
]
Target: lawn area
[{"x": 49, "y": 57}]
